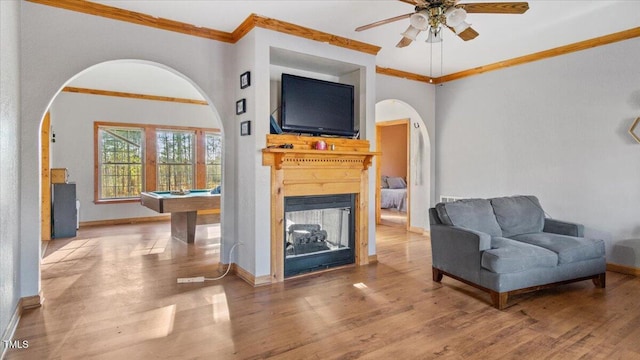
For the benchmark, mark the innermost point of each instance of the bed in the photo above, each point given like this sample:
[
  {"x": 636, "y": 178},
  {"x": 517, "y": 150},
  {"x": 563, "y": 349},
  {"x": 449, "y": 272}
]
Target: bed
[{"x": 393, "y": 194}]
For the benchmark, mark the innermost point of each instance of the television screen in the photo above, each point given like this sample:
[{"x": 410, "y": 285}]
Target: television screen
[{"x": 317, "y": 107}]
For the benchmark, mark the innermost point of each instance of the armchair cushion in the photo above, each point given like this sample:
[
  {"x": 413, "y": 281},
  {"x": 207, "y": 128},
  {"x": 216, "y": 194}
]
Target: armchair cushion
[
  {"x": 563, "y": 227},
  {"x": 569, "y": 248},
  {"x": 508, "y": 256},
  {"x": 518, "y": 215},
  {"x": 474, "y": 214}
]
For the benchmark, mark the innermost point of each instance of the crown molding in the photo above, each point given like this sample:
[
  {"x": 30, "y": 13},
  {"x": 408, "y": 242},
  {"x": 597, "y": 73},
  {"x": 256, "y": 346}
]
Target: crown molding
[
  {"x": 134, "y": 17},
  {"x": 253, "y": 21},
  {"x": 546, "y": 54},
  {"x": 78, "y": 90},
  {"x": 404, "y": 74},
  {"x": 288, "y": 28}
]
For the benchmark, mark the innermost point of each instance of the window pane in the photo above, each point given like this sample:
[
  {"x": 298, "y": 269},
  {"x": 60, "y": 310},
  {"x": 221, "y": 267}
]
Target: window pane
[
  {"x": 121, "y": 160},
  {"x": 213, "y": 160},
  {"x": 175, "y": 154}
]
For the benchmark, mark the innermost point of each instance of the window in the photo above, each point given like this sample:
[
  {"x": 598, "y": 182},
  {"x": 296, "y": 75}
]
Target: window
[
  {"x": 131, "y": 158},
  {"x": 121, "y": 159},
  {"x": 213, "y": 143},
  {"x": 175, "y": 158}
]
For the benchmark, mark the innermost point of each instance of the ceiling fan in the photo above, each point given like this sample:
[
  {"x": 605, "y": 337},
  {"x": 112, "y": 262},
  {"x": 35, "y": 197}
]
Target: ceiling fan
[{"x": 433, "y": 15}]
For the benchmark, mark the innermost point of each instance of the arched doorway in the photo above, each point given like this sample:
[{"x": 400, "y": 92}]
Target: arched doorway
[
  {"x": 418, "y": 177},
  {"x": 130, "y": 96}
]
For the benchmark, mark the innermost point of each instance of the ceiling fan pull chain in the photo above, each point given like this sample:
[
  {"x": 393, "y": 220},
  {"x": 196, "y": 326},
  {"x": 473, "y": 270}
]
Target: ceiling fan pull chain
[
  {"x": 441, "y": 56},
  {"x": 430, "y": 62}
]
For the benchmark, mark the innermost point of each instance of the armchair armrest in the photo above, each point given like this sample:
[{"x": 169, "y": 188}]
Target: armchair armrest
[
  {"x": 458, "y": 251},
  {"x": 563, "y": 227}
]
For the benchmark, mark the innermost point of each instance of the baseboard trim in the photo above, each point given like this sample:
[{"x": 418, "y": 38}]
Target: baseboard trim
[
  {"x": 417, "y": 230},
  {"x": 266, "y": 279},
  {"x": 8, "y": 333},
  {"x": 623, "y": 269},
  {"x": 32, "y": 302},
  {"x": 137, "y": 220},
  {"x": 249, "y": 277}
]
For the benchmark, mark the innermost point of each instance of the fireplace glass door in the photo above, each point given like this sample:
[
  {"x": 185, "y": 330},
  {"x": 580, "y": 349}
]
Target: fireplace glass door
[{"x": 319, "y": 232}]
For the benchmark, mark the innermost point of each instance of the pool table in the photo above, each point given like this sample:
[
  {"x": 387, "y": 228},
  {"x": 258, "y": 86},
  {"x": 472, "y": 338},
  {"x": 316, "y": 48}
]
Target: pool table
[{"x": 183, "y": 208}]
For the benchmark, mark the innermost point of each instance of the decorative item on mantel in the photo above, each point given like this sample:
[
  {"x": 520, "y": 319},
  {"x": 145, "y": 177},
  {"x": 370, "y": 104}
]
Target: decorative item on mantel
[{"x": 632, "y": 130}]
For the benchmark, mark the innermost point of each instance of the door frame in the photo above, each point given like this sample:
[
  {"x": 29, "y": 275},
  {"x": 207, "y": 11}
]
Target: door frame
[
  {"x": 379, "y": 126},
  {"x": 45, "y": 199}
]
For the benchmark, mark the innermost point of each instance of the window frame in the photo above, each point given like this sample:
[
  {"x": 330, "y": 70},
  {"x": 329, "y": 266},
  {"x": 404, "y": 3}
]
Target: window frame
[
  {"x": 204, "y": 155},
  {"x": 150, "y": 156},
  {"x": 99, "y": 164}
]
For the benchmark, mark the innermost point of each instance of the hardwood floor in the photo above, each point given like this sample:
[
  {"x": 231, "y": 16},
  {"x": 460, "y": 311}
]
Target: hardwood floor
[
  {"x": 111, "y": 293},
  {"x": 390, "y": 217}
]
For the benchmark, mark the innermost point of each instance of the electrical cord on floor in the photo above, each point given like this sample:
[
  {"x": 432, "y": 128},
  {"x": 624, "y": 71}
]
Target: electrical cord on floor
[
  {"x": 202, "y": 278},
  {"x": 228, "y": 267}
]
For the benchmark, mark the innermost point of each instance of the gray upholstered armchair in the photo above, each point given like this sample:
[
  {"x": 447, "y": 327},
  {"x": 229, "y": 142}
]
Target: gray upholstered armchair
[{"x": 506, "y": 246}]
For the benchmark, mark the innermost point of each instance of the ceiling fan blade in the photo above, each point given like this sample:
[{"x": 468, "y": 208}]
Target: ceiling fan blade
[
  {"x": 416, "y": 2},
  {"x": 496, "y": 8},
  {"x": 405, "y": 41},
  {"x": 468, "y": 34},
  {"x": 385, "y": 21}
]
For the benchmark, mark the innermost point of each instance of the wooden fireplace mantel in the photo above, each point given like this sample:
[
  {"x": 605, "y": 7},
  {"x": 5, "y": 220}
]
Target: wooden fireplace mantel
[{"x": 303, "y": 171}]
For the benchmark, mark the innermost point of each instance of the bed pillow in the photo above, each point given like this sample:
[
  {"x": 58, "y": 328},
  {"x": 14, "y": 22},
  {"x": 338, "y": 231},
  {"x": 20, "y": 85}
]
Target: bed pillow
[
  {"x": 383, "y": 182},
  {"x": 396, "y": 183}
]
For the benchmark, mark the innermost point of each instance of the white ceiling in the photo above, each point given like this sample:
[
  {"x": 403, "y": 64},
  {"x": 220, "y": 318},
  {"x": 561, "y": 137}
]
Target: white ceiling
[
  {"x": 135, "y": 77},
  {"x": 547, "y": 24}
]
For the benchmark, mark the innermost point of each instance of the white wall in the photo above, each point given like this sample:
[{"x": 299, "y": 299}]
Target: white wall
[
  {"x": 253, "y": 53},
  {"x": 58, "y": 44},
  {"x": 72, "y": 118},
  {"x": 9, "y": 164},
  {"x": 400, "y": 99},
  {"x": 556, "y": 129}
]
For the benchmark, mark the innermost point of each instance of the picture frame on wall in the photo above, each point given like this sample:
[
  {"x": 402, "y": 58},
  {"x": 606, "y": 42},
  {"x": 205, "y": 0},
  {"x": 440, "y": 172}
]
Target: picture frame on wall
[
  {"x": 245, "y": 128},
  {"x": 245, "y": 80},
  {"x": 241, "y": 106}
]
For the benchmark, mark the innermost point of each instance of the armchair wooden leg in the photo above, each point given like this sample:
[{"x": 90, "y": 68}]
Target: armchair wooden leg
[
  {"x": 600, "y": 280},
  {"x": 437, "y": 274},
  {"x": 499, "y": 300}
]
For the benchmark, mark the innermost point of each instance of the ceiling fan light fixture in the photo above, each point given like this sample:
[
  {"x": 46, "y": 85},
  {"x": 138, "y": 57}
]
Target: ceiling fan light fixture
[
  {"x": 420, "y": 20},
  {"x": 461, "y": 27},
  {"x": 435, "y": 36},
  {"x": 455, "y": 16},
  {"x": 411, "y": 32}
]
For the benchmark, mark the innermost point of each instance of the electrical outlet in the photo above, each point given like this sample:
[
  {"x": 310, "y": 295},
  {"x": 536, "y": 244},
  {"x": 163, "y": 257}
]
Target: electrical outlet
[{"x": 191, "y": 279}]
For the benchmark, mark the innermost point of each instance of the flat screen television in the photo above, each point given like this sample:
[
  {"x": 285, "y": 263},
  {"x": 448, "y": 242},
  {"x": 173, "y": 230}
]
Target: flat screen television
[{"x": 317, "y": 107}]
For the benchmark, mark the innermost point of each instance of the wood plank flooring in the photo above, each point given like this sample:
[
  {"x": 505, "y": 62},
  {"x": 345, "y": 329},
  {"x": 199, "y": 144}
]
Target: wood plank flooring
[
  {"x": 111, "y": 293},
  {"x": 391, "y": 217}
]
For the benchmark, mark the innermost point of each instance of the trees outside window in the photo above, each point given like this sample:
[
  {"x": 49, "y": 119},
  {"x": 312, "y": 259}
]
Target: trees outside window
[
  {"x": 175, "y": 157},
  {"x": 121, "y": 162},
  {"x": 132, "y": 158}
]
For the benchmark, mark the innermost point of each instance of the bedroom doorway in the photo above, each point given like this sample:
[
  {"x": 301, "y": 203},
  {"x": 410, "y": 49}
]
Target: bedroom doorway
[{"x": 392, "y": 173}]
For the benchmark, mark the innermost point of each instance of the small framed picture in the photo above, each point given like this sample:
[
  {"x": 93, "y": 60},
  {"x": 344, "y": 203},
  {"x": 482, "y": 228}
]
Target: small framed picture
[
  {"x": 245, "y": 80},
  {"x": 241, "y": 106},
  {"x": 245, "y": 128}
]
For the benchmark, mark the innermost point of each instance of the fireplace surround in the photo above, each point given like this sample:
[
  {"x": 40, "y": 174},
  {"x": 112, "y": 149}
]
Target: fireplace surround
[{"x": 301, "y": 170}]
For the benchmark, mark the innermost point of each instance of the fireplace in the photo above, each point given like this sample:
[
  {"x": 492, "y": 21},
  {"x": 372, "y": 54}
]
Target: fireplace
[
  {"x": 307, "y": 234},
  {"x": 319, "y": 232}
]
